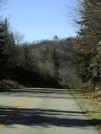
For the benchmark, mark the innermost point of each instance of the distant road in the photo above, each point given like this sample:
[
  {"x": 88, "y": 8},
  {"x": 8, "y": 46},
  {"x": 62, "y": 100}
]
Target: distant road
[{"x": 42, "y": 111}]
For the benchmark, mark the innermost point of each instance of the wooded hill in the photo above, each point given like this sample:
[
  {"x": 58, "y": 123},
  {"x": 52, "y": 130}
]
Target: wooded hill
[
  {"x": 56, "y": 62},
  {"x": 65, "y": 51},
  {"x": 44, "y": 64}
]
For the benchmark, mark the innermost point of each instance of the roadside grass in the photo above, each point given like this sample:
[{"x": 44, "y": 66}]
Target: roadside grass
[
  {"x": 8, "y": 84},
  {"x": 90, "y": 103}
]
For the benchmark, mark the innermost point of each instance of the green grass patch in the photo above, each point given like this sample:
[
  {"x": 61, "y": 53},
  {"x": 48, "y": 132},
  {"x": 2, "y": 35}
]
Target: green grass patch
[{"x": 90, "y": 103}]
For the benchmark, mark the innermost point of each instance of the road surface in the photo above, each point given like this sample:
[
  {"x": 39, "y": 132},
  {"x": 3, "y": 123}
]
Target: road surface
[{"x": 42, "y": 111}]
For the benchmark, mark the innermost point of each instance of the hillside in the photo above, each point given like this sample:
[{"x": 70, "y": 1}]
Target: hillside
[{"x": 65, "y": 49}]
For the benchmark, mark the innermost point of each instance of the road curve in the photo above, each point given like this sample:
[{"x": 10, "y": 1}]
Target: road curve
[{"x": 42, "y": 111}]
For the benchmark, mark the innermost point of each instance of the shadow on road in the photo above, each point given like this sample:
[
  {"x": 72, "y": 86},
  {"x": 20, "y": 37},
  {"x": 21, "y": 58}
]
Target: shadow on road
[
  {"x": 43, "y": 117},
  {"x": 47, "y": 118},
  {"x": 44, "y": 93}
]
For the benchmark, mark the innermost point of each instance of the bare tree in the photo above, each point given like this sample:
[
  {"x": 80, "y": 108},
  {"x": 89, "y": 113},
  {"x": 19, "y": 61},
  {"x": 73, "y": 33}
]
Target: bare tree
[
  {"x": 86, "y": 16},
  {"x": 18, "y": 37},
  {"x": 3, "y": 3}
]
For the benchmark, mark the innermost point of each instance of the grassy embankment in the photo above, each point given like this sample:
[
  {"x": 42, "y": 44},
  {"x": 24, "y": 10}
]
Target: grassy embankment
[
  {"x": 90, "y": 101},
  {"x": 8, "y": 84}
]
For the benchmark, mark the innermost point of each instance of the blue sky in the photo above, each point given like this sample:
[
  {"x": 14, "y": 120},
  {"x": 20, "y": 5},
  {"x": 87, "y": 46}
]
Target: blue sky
[{"x": 39, "y": 19}]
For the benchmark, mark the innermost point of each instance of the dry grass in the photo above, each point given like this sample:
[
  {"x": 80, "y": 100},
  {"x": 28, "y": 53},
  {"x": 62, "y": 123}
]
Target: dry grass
[
  {"x": 8, "y": 84},
  {"x": 90, "y": 102}
]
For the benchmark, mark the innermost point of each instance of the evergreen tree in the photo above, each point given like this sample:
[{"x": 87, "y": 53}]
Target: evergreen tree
[
  {"x": 89, "y": 34},
  {"x": 6, "y": 49},
  {"x": 55, "y": 61},
  {"x": 90, "y": 26},
  {"x": 82, "y": 59}
]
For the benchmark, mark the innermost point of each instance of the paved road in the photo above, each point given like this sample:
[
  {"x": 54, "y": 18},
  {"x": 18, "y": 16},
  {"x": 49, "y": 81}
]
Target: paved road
[{"x": 42, "y": 111}]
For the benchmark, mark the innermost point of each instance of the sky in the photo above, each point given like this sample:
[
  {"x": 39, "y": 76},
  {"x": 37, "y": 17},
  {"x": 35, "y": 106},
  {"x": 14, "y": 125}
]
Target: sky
[{"x": 39, "y": 19}]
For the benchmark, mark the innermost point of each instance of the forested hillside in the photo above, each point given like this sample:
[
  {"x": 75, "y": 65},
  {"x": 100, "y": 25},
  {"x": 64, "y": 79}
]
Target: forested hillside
[
  {"x": 57, "y": 62},
  {"x": 65, "y": 51},
  {"x": 49, "y": 63}
]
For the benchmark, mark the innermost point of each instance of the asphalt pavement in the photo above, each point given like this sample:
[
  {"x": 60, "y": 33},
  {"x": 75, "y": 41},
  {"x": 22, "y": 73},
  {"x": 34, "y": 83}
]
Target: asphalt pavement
[{"x": 42, "y": 111}]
